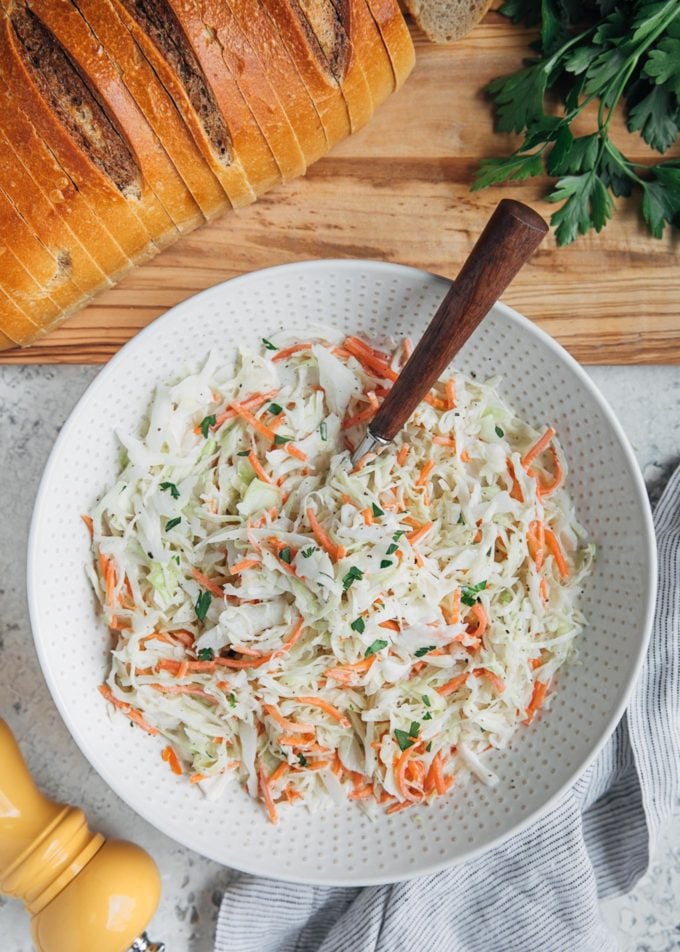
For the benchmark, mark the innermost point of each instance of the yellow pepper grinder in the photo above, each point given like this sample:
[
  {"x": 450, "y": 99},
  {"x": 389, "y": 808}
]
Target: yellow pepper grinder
[{"x": 83, "y": 892}]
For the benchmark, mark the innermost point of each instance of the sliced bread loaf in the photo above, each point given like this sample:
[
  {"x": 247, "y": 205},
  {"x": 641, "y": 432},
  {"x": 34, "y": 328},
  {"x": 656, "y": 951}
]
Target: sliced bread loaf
[{"x": 446, "y": 20}]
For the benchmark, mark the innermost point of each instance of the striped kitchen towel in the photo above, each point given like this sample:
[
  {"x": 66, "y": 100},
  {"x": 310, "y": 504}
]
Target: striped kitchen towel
[{"x": 539, "y": 890}]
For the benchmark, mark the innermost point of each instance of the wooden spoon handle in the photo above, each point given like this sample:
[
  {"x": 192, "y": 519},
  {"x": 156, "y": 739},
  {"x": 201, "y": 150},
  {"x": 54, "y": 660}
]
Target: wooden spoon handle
[{"x": 511, "y": 236}]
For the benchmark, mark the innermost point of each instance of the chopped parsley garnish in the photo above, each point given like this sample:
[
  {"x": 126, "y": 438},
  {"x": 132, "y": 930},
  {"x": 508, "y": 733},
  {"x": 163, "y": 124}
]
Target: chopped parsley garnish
[
  {"x": 285, "y": 555},
  {"x": 307, "y": 552},
  {"x": 385, "y": 563},
  {"x": 377, "y": 511},
  {"x": 377, "y": 645},
  {"x": 423, "y": 651},
  {"x": 392, "y": 548},
  {"x": 358, "y": 625},
  {"x": 353, "y": 575},
  {"x": 414, "y": 729},
  {"x": 461, "y": 520},
  {"x": 171, "y": 523},
  {"x": 232, "y": 700},
  {"x": 323, "y": 430},
  {"x": 171, "y": 488},
  {"x": 268, "y": 344},
  {"x": 243, "y": 453},
  {"x": 427, "y": 716},
  {"x": 397, "y": 535},
  {"x": 302, "y": 759},
  {"x": 206, "y": 423},
  {"x": 429, "y": 747},
  {"x": 499, "y": 431},
  {"x": 275, "y": 408},
  {"x": 403, "y": 739},
  {"x": 426, "y": 701},
  {"x": 202, "y": 605},
  {"x": 206, "y": 654},
  {"x": 281, "y": 440},
  {"x": 468, "y": 594}
]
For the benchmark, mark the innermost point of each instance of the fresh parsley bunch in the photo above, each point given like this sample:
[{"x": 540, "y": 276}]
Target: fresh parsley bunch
[{"x": 595, "y": 51}]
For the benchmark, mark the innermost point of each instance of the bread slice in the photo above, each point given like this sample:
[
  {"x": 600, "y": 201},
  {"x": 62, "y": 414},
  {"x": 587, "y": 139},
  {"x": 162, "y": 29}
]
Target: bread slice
[
  {"x": 153, "y": 100},
  {"x": 446, "y": 20},
  {"x": 109, "y": 204},
  {"x": 274, "y": 60},
  {"x": 46, "y": 176},
  {"x": 396, "y": 37},
  {"x": 329, "y": 23},
  {"x": 294, "y": 33},
  {"x": 214, "y": 22},
  {"x": 40, "y": 215},
  {"x": 15, "y": 325},
  {"x": 164, "y": 45},
  {"x": 369, "y": 49},
  {"x": 165, "y": 203},
  {"x": 6, "y": 343}
]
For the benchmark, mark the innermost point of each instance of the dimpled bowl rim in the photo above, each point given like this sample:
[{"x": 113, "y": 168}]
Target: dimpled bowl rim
[{"x": 126, "y": 790}]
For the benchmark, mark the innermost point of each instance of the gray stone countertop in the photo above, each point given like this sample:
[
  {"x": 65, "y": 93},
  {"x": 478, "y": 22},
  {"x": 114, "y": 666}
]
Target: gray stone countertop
[{"x": 34, "y": 402}]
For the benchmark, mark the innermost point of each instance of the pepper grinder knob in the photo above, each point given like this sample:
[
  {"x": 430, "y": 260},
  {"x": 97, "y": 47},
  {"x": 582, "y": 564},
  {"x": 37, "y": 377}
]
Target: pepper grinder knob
[{"x": 83, "y": 892}]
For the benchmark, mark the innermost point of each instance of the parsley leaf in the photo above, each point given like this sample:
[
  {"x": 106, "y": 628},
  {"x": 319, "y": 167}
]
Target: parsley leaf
[
  {"x": 427, "y": 716},
  {"x": 353, "y": 575},
  {"x": 275, "y": 409},
  {"x": 281, "y": 440},
  {"x": 499, "y": 431},
  {"x": 377, "y": 645},
  {"x": 323, "y": 430},
  {"x": 307, "y": 552},
  {"x": 429, "y": 747},
  {"x": 268, "y": 344},
  {"x": 302, "y": 759},
  {"x": 385, "y": 563},
  {"x": 420, "y": 652},
  {"x": 414, "y": 729},
  {"x": 202, "y": 605},
  {"x": 171, "y": 523},
  {"x": 392, "y": 548},
  {"x": 397, "y": 535},
  {"x": 206, "y": 423},
  {"x": 232, "y": 700},
  {"x": 468, "y": 593},
  {"x": 243, "y": 453},
  {"x": 206, "y": 654},
  {"x": 171, "y": 488},
  {"x": 377, "y": 511},
  {"x": 403, "y": 739},
  {"x": 426, "y": 701},
  {"x": 285, "y": 555},
  {"x": 358, "y": 625}
]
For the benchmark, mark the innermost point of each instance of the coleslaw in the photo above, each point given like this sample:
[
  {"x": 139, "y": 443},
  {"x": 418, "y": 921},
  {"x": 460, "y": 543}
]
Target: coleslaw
[{"x": 316, "y": 632}]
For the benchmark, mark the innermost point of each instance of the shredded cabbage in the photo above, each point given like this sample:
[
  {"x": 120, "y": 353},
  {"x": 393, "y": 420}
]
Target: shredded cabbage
[{"x": 313, "y": 631}]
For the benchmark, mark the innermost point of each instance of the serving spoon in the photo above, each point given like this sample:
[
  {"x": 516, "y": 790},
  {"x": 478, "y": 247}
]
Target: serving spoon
[{"x": 509, "y": 239}]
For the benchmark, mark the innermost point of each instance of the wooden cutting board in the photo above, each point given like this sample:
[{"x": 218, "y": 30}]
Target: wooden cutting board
[{"x": 399, "y": 191}]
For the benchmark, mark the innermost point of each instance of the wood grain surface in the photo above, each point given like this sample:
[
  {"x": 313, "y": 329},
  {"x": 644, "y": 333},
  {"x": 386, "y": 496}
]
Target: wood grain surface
[{"x": 399, "y": 191}]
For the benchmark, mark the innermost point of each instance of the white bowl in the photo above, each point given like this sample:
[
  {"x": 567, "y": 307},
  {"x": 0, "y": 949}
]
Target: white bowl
[{"x": 341, "y": 845}]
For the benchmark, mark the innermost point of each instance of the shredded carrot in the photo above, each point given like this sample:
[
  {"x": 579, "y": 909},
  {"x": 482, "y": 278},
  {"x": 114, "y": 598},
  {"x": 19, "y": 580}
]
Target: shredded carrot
[
  {"x": 481, "y": 618},
  {"x": 543, "y": 589},
  {"x": 319, "y": 764},
  {"x": 537, "y": 698},
  {"x": 128, "y": 709},
  {"x": 402, "y": 454},
  {"x": 546, "y": 489},
  {"x": 400, "y": 771},
  {"x": 418, "y": 534},
  {"x": 337, "y": 767},
  {"x": 516, "y": 490},
  {"x": 368, "y": 516},
  {"x": 444, "y": 441},
  {"x": 275, "y": 422},
  {"x": 322, "y": 536},
  {"x": 172, "y": 759},
  {"x": 293, "y": 740},
  {"x": 207, "y": 583},
  {"x": 188, "y": 689},
  {"x": 370, "y": 360},
  {"x": 538, "y": 447},
  {"x": 259, "y": 470},
  {"x": 453, "y": 684},
  {"x": 197, "y": 778},
  {"x": 452, "y": 615},
  {"x": 287, "y": 724},
  {"x": 266, "y": 793},
  {"x": 291, "y": 793},
  {"x": 347, "y": 672},
  {"x": 294, "y": 636},
  {"x": 282, "y": 769},
  {"x": 289, "y": 351},
  {"x": 108, "y": 572},
  {"x": 451, "y": 394},
  {"x": 90, "y": 525},
  {"x": 174, "y": 667},
  {"x": 556, "y": 550},
  {"x": 397, "y": 807},
  {"x": 435, "y": 775},
  {"x": 435, "y": 402},
  {"x": 296, "y": 452},
  {"x": 536, "y": 542},
  {"x": 465, "y": 456},
  {"x": 256, "y": 424},
  {"x": 183, "y": 669},
  {"x": 254, "y": 402},
  {"x": 184, "y": 637},
  {"x": 425, "y": 472},
  {"x": 243, "y": 565},
  {"x": 363, "y": 416},
  {"x": 328, "y": 708},
  {"x": 492, "y": 678},
  {"x": 363, "y": 793},
  {"x": 346, "y": 499},
  {"x": 536, "y": 663},
  {"x": 390, "y": 625}
]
